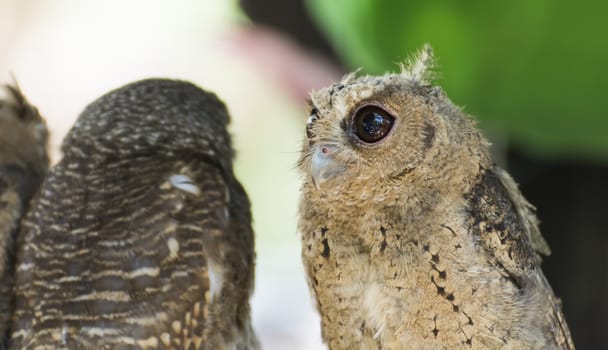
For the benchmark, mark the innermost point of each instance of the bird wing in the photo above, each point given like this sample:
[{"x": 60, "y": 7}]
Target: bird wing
[
  {"x": 500, "y": 228},
  {"x": 527, "y": 216},
  {"x": 525, "y": 211},
  {"x": 118, "y": 259},
  {"x": 507, "y": 228}
]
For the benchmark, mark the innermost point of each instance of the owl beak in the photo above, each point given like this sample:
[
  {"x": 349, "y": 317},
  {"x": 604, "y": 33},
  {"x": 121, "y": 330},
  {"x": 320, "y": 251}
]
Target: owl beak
[{"x": 323, "y": 166}]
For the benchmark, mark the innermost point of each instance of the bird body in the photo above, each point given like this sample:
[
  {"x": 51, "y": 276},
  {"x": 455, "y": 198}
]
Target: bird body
[
  {"x": 141, "y": 235},
  {"x": 411, "y": 236},
  {"x": 23, "y": 165}
]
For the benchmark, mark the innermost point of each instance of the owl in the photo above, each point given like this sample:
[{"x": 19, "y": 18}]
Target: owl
[
  {"x": 412, "y": 238},
  {"x": 141, "y": 235},
  {"x": 23, "y": 164}
]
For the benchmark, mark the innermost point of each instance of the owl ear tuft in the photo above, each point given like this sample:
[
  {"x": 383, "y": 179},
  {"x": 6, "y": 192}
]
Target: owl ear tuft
[
  {"x": 350, "y": 77},
  {"x": 420, "y": 67}
]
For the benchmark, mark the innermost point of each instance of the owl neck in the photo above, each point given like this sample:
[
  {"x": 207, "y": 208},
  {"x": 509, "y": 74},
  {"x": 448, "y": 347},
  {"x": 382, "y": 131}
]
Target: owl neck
[
  {"x": 421, "y": 192},
  {"x": 98, "y": 152}
]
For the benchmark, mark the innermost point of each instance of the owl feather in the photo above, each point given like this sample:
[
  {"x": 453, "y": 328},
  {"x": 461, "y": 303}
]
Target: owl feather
[
  {"x": 23, "y": 164},
  {"x": 141, "y": 236}
]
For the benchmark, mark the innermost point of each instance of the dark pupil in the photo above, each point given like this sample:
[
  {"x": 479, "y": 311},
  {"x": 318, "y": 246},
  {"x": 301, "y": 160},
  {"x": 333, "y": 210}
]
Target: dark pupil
[{"x": 372, "y": 125}]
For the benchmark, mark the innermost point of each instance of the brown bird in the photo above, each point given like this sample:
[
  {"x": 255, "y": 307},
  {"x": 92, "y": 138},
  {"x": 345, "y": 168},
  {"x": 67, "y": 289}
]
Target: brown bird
[
  {"x": 412, "y": 238},
  {"x": 141, "y": 237},
  {"x": 23, "y": 164}
]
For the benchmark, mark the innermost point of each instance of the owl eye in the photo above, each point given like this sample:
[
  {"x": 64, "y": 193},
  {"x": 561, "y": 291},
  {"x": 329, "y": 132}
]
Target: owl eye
[{"x": 372, "y": 123}]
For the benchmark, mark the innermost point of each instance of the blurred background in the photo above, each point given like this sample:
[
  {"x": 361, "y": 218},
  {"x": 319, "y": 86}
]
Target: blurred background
[{"x": 533, "y": 72}]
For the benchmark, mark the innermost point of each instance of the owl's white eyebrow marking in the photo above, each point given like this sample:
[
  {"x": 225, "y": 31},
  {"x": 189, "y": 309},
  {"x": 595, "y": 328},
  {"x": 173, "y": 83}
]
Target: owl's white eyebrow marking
[
  {"x": 216, "y": 278},
  {"x": 184, "y": 183}
]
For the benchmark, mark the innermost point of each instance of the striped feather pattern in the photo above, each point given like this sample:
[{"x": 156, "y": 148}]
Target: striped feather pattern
[{"x": 115, "y": 256}]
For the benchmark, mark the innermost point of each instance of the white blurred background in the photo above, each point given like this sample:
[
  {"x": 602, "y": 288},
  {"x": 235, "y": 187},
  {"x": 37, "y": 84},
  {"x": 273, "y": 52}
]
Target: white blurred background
[{"x": 66, "y": 53}]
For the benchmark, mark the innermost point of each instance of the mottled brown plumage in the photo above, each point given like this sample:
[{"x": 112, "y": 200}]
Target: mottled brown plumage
[
  {"x": 141, "y": 235},
  {"x": 412, "y": 238},
  {"x": 23, "y": 164}
]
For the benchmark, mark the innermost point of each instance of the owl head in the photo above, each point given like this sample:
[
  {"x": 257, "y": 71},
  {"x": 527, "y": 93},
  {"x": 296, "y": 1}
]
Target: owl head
[
  {"x": 152, "y": 117},
  {"x": 381, "y": 129},
  {"x": 23, "y": 132}
]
